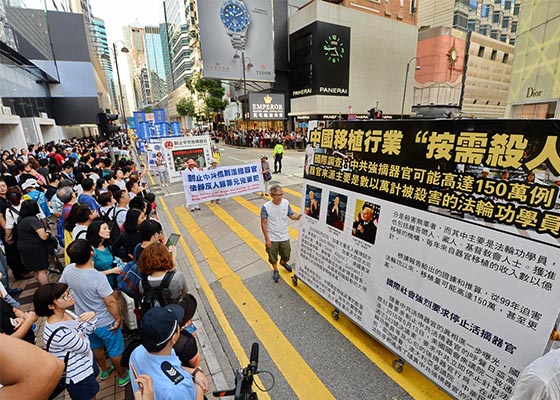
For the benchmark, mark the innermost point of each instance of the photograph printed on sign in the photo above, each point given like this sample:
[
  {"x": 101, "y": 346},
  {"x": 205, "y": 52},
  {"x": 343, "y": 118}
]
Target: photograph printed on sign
[
  {"x": 366, "y": 219},
  {"x": 313, "y": 201},
  {"x": 336, "y": 210},
  {"x": 180, "y": 158}
]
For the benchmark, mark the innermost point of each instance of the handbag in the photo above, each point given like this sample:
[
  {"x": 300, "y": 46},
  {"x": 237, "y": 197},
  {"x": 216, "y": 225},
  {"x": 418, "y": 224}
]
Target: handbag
[
  {"x": 61, "y": 385},
  {"x": 267, "y": 176}
]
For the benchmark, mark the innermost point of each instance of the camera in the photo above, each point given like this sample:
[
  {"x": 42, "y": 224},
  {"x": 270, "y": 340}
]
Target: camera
[{"x": 244, "y": 378}]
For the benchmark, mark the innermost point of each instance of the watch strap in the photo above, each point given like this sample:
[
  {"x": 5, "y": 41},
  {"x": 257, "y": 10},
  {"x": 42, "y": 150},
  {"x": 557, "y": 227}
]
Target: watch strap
[
  {"x": 238, "y": 41},
  {"x": 196, "y": 371}
]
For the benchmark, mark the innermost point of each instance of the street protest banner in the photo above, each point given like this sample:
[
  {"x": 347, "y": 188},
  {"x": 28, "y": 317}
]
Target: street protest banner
[
  {"x": 177, "y": 152},
  {"x": 222, "y": 182},
  {"x": 440, "y": 239},
  {"x": 154, "y": 146}
]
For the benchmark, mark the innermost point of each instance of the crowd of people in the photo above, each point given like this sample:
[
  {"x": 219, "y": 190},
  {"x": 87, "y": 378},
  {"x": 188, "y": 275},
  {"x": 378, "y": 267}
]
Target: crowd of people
[
  {"x": 264, "y": 138},
  {"x": 73, "y": 196}
]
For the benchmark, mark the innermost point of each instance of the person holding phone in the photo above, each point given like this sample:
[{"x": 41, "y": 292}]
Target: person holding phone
[{"x": 159, "y": 330}]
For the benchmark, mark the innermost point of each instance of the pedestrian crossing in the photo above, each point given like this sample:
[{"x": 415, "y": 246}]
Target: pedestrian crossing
[{"x": 305, "y": 383}]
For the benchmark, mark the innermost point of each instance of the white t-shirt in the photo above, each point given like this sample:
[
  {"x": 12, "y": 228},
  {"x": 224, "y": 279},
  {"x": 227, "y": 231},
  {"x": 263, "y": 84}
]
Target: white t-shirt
[
  {"x": 76, "y": 231},
  {"x": 12, "y": 217},
  {"x": 540, "y": 379},
  {"x": 277, "y": 220}
]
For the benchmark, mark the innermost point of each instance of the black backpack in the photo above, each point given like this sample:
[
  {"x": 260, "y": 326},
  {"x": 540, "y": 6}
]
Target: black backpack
[
  {"x": 15, "y": 215},
  {"x": 110, "y": 217},
  {"x": 156, "y": 296}
]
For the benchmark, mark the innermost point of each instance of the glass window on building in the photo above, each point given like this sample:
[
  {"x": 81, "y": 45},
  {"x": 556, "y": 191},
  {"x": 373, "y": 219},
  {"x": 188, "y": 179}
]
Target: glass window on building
[
  {"x": 486, "y": 10},
  {"x": 535, "y": 110},
  {"x": 516, "y": 8},
  {"x": 494, "y": 55},
  {"x": 507, "y": 5},
  {"x": 506, "y": 58},
  {"x": 504, "y": 37},
  {"x": 471, "y": 25},
  {"x": 514, "y": 27},
  {"x": 460, "y": 20},
  {"x": 481, "y": 51},
  {"x": 505, "y": 22},
  {"x": 473, "y": 5},
  {"x": 494, "y": 34},
  {"x": 497, "y": 17},
  {"x": 483, "y": 30},
  {"x": 512, "y": 41}
]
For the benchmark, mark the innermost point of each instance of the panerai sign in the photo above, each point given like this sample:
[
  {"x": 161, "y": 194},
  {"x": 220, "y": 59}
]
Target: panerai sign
[
  {"x": 532, "y": 92},
  {"x": 266, "y": 106}
]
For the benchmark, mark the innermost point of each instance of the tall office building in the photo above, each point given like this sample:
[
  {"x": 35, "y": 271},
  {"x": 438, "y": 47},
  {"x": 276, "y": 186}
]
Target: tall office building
[
  {"x": 103, "y": 52},
  {"x": 138, "y": 65},
  {"x": 178, "y": 30},
  {"x": 156, "y": 63},
  {"x": 497, "y": 19}
]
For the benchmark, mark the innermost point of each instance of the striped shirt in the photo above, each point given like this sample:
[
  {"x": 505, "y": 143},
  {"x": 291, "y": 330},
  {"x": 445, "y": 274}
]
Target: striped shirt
[{"x": 74, "y": 339}]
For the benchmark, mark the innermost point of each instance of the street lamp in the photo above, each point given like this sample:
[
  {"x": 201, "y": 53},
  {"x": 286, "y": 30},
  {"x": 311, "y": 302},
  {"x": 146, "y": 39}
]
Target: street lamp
[
  {"x": 124, "y": 49},
  {"x": 245, "y": 67},
  {"x": 406, "y": 81}
]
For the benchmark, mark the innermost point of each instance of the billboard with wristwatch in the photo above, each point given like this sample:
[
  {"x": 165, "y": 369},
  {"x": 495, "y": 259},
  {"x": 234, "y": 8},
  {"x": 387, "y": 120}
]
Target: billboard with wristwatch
[{"x": 237, "y": 33}]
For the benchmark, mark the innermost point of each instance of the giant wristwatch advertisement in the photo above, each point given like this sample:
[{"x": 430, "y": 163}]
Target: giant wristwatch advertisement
[{"x": 236, "y": 39}]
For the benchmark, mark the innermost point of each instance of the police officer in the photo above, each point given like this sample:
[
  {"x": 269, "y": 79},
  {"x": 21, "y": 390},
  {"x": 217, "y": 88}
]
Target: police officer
[{"x": 155, "y": 357}]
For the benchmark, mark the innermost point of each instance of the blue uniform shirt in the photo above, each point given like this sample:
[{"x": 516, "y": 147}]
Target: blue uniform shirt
[{"x": 164, "y": 388}]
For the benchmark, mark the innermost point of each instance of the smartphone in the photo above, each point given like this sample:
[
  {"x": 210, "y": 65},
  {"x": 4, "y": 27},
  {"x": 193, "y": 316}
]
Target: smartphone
[
  {"x": 134, "y": 372},
  {"x": 190, "y": 328},
  {"x": 173, "y": 239}
]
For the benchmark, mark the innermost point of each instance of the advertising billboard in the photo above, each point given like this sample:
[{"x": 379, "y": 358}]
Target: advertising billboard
[
  {"x": 320, "y": 60},
  {"x": 439, "y": 239},
  {"x": 231, "y": 28},
  {"x": 266, "y": 106}
]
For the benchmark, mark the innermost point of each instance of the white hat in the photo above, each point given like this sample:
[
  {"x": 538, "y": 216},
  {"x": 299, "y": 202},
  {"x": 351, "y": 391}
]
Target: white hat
[
  {"x": 30, "y": 183},
  {"x": 213, "y": 160}
]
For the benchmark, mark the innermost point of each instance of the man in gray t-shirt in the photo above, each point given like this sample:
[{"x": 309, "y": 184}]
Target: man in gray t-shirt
[{"x": 92, "y": 292}]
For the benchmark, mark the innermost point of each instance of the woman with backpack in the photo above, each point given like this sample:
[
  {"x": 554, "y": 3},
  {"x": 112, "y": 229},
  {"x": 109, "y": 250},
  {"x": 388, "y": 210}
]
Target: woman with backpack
[
  {"x": 13, "y": 258},
  {"x": 158, "y": 270},
  {"x": 99, "y": 236},
  {"x": 33, "y": 241},
  {"x": 66, "y": 334},
  {"x": 126, "y": 242}
]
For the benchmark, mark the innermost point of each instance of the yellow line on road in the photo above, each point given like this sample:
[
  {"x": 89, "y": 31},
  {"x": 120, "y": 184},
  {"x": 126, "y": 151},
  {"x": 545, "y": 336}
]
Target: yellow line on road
[
  {"x": 292, "y": 192},
  {"x": 416, "y": 384},
  {"x": 300, "y": 376}
]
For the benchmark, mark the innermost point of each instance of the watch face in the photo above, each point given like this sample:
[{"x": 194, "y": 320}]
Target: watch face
[
  {"x": 234, "y": 16},
  {"x": 333, "y": 48}
]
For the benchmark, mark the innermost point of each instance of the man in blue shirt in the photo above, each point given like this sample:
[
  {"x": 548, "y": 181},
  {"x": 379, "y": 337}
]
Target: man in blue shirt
[
  {"x": 87, "y": 195},
  {"x": 155, "y": 357}
]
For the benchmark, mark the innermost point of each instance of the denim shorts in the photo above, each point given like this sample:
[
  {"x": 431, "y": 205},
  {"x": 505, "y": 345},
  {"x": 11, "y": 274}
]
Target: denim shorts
[
  {"x": 85, "y": 389},
  {"x": 112, "y": 340}
]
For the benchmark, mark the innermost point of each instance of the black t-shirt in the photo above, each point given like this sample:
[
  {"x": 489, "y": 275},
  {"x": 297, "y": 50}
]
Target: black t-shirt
[
  {"x": 6, "y": 326},
  {"x": 4, "y": 204}
]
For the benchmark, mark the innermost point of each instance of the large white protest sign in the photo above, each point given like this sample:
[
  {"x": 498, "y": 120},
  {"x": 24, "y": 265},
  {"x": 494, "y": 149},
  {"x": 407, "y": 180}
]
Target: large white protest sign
[
  {"x": 222, "y": 182},
  {"x": 416, "y": 233}
]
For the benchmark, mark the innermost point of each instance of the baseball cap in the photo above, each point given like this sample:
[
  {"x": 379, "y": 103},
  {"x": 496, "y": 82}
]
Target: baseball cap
[
  {"x": 159, "y": 325},
  {"x": 191, "y": 162},
  {"x": 263, "y": 156},
  {"x": 30, "y": 183},
  {"x": 213, "y": 160}
]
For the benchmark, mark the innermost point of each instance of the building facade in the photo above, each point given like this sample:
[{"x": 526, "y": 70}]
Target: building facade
[
  {"x": 461, "y": 73},
  {"x": 497, "y": 19},
  {"x": 345, "y": 76},
  {"x": 535, "y": 87},
  {"x": 156, "y": 63},
  {"x": 101, "y": 49}
]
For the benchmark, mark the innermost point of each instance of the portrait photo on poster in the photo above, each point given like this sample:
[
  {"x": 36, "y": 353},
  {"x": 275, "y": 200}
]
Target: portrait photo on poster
[
  {"x": 180, "y": 158},
  {"x": 313, "y": 201},
  {"x": 366, "y": 218},
  {"x": 336, "y": 210}
]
